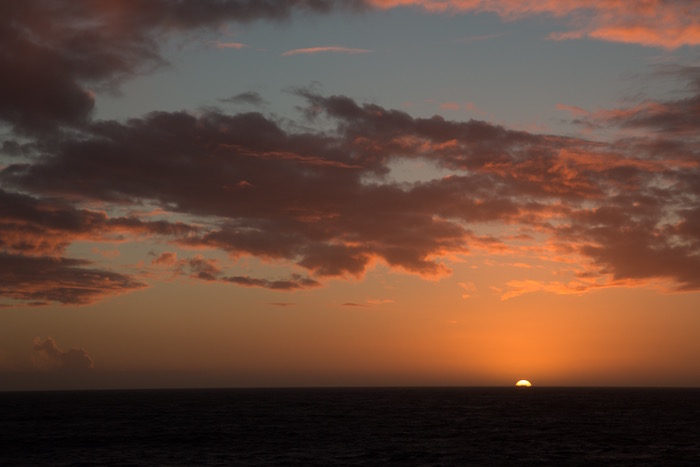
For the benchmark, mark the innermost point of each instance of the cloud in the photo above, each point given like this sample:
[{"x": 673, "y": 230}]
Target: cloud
[
  {"x": 295, "y": 282},
  {"x": 368, "y": 303},
  {"x": 468, "y": 289},
  {"x": 37, "y": 279},
  {"x": 521, "y": 287},
  {"x": 249, "y": 97},
  {"x": 199, "y": 267},
  {"x": 203, "y": 268},
  {"x": 41, "y": 226},
  {"x": 229, "y": 45},
  {"x": 49, "y": 356},
  {"x": 35, "y": 233},
  {"x": 53, "y": 53},
  {"x": 167, "y": 258},
  {"x": 656, "y": 23},
  {"x": 52, "y": 73},
  {"x": 316, "y": 50},
  {"x": 322, "y": 201},
  {"x": 450, "y": 106}
]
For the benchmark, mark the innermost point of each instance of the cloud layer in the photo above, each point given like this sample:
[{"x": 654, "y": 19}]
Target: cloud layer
[
  {"x": 324, "y": 202},
  {"x": 317, "y": 196}
]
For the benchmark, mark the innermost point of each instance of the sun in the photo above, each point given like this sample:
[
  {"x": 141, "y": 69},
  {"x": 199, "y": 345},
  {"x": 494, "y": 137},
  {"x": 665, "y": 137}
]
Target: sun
[{"x": 523, "y": 383}]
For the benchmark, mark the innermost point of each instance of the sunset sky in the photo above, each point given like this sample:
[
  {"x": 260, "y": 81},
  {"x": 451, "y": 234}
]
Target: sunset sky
[{"x": 349, "y": 193}]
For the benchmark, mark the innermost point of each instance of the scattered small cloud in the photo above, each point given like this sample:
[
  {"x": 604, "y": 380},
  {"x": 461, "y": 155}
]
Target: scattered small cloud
[{"x": 468, "y": 289}]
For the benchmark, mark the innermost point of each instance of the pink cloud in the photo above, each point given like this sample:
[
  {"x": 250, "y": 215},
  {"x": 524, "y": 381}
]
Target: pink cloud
[
  {"x": 229, "y": 45},
  {"x": 324, "y": 49}
]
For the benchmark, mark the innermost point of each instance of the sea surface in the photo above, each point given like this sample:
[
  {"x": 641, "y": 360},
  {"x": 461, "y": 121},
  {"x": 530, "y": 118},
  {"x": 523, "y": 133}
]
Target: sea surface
[{"x": 370, "y": 426}]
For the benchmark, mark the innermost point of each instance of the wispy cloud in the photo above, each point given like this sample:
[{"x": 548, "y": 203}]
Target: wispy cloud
[
  {"x": 228, "y": 45},
  {"x": 325, "y": 49}
]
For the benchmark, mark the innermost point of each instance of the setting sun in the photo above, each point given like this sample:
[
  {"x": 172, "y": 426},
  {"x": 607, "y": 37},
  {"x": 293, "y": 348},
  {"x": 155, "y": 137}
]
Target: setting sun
[{"x": 523, "y": 383}]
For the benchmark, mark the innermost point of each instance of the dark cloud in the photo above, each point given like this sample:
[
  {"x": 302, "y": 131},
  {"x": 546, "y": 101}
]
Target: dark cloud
[
  {"x": 32, "y": 225},
  {"x": 295, "y": 282},
  {"x": 250, "y": 97},
  {"x": 199, "y": 267},
  {"x": 49, "y": 356},
  {"x": 323, "y": 199},
  {"x": 202, "y": 268},
  {"x": 64, "y": 280},
  {"x": 34, "y": 235},
  {"x": 267, "y": 181}
]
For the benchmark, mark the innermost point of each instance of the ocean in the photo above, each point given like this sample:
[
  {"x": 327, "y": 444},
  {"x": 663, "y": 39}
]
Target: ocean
[{"x": 352, "y": 426}]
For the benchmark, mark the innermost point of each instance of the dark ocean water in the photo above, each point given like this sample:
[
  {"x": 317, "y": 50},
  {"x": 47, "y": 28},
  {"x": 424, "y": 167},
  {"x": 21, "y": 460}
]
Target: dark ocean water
[{"x": 389, "y": 426}]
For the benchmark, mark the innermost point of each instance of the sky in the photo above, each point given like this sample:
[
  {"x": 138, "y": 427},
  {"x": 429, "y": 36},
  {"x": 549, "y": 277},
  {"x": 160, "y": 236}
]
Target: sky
[{"x": 247, "y": 193}]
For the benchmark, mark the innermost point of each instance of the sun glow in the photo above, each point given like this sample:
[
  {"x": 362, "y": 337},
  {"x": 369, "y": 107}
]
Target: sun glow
[{"x": 523, "y": 383}]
